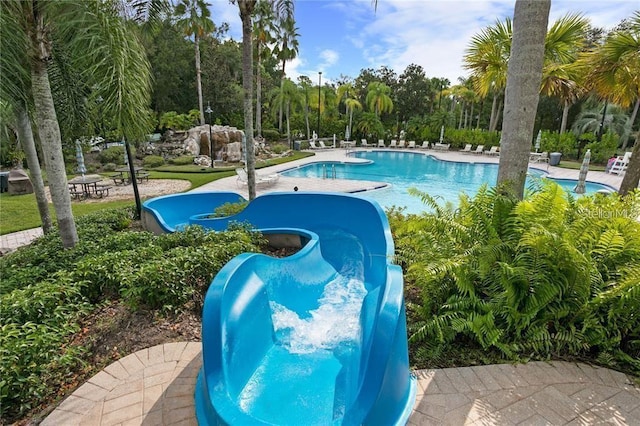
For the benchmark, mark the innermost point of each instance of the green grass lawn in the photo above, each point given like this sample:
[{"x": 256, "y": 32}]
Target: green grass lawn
[
  {"x": 20, "y": 212},
  {"x": 575, "y": 165}
]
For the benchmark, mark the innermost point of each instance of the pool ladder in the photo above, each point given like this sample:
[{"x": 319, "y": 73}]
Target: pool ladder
[{"x": 324, "y": 171}]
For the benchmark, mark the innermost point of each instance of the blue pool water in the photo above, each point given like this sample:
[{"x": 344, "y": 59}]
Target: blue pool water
[{"x": 404, "y": 170}]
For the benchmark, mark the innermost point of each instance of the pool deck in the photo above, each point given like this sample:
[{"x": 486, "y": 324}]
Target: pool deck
[{"x": 155, "y": 386}]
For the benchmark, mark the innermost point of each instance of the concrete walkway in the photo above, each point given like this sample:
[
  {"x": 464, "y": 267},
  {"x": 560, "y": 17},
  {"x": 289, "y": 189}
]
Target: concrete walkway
[{"x": 155, "y": 386}]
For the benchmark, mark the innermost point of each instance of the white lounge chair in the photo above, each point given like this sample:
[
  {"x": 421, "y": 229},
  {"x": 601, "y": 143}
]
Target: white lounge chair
[
  {"x": 393, "y": 144},
  {"x": 492, "y": 151},
  {"x": 542, "y": 157},
  {"x": 479, "y": 149},
  {"x": 312, "y": 144},
  {"x": 401, "y": 144},
  {"x": 467, "y": 148},
  {"x": 243, "y": 179},
  {"x": 425, "y": 145},
  {"x": 381, "y": 143},
  {"x": 620, "y": 165},
  {"x": 322, "y": 145},
  {"x": 441, "y": 146},
  {"x": 363, "y": 143},
  {"x": 411, "y": 144}
]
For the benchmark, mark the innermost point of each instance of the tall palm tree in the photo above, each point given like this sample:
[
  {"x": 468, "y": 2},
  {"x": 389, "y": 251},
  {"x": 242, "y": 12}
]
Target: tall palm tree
[
  {"x": 560, "y": 76},
  {"x": 305, "y": 84},
  {"x": 524, "y": 75},
  {"x": 100, "y": 45},
  {"x": 487, "y": 58},
  {"x": 289, "y": 96},
  {"x": 195, "y": 20},
  {"x": 615, "y": 75},
  {"x": 263, "y": 30},
  {"x": 352, "y": 104},
  {"x": 378, "y": 98},
  {"x": 287, "y": 44},
  {"x": 246, "y": 8},
  {"x": 592, "y": 121}
]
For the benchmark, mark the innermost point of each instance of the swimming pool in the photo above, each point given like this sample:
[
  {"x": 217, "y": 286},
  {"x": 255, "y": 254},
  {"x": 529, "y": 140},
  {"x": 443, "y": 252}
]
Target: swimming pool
[{"x": 404, "y": 170}]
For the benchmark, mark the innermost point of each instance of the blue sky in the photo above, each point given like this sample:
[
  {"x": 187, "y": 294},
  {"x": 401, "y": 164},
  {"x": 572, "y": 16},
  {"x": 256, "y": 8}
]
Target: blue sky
[{"x": 340, "y": 37}]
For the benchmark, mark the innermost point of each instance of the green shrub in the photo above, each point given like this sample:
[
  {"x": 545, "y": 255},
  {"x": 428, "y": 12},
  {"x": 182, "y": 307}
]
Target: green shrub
[
  {"x": 229, "y": 209},
  {"x": 554, "y": 142},
  {"x": 603, "y": 150},
  {"x": 181, "y": 161},
  {"x": 546, "y": 276},
  {"x": 114, "y": 154},
  {"x": 175, "y": 121},
  {"x": 109, "y": 167},
  {"x": 278, "y": 148},
  {"x": 152, "y": 161},
  {"x": 271, "y": 135}
]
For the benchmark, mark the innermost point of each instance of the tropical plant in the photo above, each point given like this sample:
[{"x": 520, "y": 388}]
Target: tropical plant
[
  {"x": 378, "y": 98},
  {"x": 195, "y": 20},
  {"x": 592, "y": 121},
  {"x": 524, "y": 74},
  {"x": 286, "y": 41},
  {"x": 550, "y": 275},
  {"x": 370, "y": 125},
  {"x": 263, "y": 30},
  {"x": 289, "y": 96}
]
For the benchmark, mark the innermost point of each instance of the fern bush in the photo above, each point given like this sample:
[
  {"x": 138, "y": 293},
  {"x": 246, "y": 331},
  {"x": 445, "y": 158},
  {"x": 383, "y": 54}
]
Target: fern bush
[{"x": 547, "y": 276}]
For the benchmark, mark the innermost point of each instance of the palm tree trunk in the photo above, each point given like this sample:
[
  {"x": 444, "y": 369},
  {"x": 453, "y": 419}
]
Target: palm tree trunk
[
  {"x": 25, "y": 134},
  {"x": 246, "y": 10},
  {"x": 199, "y": 80},
  {"x": 632, "y": 175},
  {"x": 524, "y": 74},
  {"x": 288, "y": 124},
  {"x": 51, "y": 142},
  {"x": 494, "y": 107},
  {"x": 565, "y": 117},
  {"x": 632, "y": 120},
  {"x": 462, "y": 110},
  {"x": 499, "y": 111},
  {"x": 351, "y": 121},
  {"x": 259, "y": 95},
  {"x": 479, "y": 114},
  {"x": 281, "y": 97}
]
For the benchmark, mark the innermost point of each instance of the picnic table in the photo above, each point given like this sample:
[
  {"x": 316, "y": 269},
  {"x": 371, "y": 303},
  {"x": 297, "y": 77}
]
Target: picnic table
[
  {"x": 87, "y": 186},
  {"x": 122, "y": 176}
]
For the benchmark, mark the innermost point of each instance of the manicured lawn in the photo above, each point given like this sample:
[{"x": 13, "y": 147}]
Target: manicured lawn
[{"x": 576, "y": 165}]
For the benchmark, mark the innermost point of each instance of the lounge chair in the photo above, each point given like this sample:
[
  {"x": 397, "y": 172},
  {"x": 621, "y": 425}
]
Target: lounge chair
[
  {"x": 243, "y": 179},
  {"x": 363, "y": 143},
  {"x": 479, "y": 149},
  {"x": 620, "y": 165},
  {"x": 312, "y": 145},
  {"x": 412, "y": 144},
  {"x": 492, "y": 151},
  {"x": 381, "y": 143},
  {"x": 401, "y": 144},
  {"x": 441, "y": 146},
  {"x": 322, "y": 145},
  {"x": 393, "y": 144},
  {"x": 425, "y": 145},
  {"x": 542, "y": 157},
  {"x": 467, "y": 148}
]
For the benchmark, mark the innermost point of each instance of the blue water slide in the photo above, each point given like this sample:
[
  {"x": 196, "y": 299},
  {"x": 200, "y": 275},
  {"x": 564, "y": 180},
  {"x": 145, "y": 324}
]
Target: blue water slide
[{"x": 318, "y": 337}]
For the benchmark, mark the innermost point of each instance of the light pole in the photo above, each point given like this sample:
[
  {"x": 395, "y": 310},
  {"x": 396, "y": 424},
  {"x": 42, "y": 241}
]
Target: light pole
[
  {"x": 209, "y": 111},
  {"x": 319, "y": 93}
]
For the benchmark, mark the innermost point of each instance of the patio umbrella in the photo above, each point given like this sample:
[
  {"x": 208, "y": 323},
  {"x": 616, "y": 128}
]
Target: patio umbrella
[
  {"x": 538, "y": 139},
  {"x": 80, "y": 159},
  {"x": 347, "y": 133},
  {"x": 582, "y": 178},
  {"x": 441, "y": 133}
]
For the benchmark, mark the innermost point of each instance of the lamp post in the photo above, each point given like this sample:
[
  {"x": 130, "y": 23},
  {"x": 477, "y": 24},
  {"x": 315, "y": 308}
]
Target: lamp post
[
  {"x": 209, "y": 111},
  {"x": 319, "y": 94}
]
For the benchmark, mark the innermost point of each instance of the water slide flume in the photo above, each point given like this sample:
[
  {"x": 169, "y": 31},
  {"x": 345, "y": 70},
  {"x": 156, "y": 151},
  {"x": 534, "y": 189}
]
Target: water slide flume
[{"x": 315, "y": 338}]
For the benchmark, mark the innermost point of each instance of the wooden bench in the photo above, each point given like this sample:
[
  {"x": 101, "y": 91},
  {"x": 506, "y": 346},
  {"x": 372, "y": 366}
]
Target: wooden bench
[
  {"x": 102, "y": 190},
  {"x": 118, "y": 179},
  {"x": 142, "y": 176}
]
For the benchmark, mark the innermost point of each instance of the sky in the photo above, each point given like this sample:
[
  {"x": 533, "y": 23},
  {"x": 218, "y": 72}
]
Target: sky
[{"x": 341, "y": 37}]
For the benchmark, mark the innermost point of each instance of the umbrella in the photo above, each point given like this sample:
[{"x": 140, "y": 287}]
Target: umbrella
[
  {"x": 582, "y": 178},
  {"x": 441, "y": 133},
  {"x": 80, "y": 159},
  {"x": 538, "y": 138},
  {"x": 347, "y": 133}
]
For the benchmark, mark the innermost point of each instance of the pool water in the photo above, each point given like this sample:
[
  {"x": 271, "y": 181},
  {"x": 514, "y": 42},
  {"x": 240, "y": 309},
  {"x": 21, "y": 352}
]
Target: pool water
[{"x": 404, "y": 170}]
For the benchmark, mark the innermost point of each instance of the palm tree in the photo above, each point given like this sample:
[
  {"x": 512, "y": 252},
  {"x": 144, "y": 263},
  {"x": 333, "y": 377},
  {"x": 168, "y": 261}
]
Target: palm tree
[
  {"x": 560, "y": 74},
  {"x": 99, "y": 44},
  {"x": 195, "y": 20},
  {"x": 289, "y": 96},
  {"x": 592, "y": 121},
  {"x": 615, "y": 76},
  {"x": 263, "y": 28},
  {"x": 370, "y": 124},
  {"x": 286, "y": 47},
  {"x": 487, "y": 58},
  {"x": 524, "y": 75},
  {"x": 378, "y": 98},
  {"x": 352, "y": 104},
  {"x": 246, "y": 11},
  {"x": 305, "y": 84}
]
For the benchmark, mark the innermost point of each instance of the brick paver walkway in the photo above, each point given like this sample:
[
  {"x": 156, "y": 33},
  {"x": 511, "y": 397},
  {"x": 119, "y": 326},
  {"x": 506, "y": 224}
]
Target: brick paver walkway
[{"x": 155, "y": 386}]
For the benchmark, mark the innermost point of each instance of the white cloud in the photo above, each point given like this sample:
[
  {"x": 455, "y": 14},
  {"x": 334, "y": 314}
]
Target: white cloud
[{"x": 329, "y": 58}]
